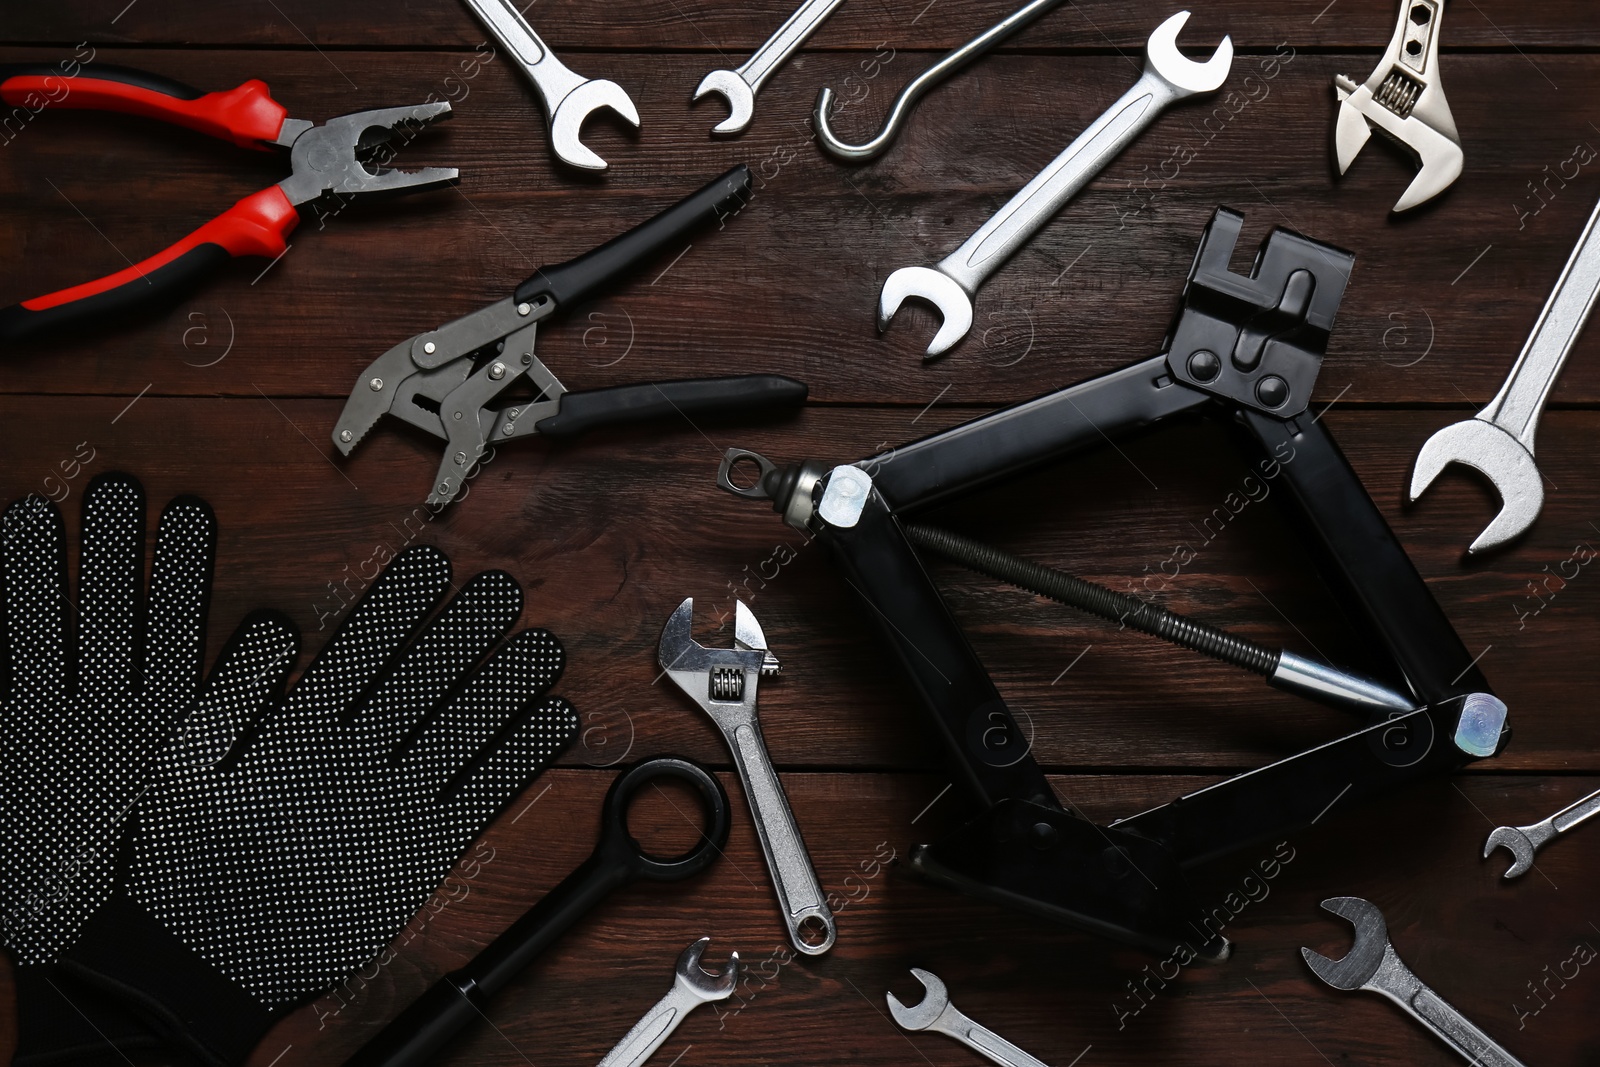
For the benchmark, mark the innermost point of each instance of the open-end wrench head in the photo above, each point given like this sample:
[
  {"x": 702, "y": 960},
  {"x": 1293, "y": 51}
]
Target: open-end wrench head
[
  {"x": 566, "y": 125},
  {"x": 953, "y": 303},
  {"x": 925, "y": 1012},
  {"x": 706, "y": 985},
  {"x": 1361, "y": 962},
  {"x": 1161, "y": 55},
  {"x": 740, "y": 97},
  {"x": 1516, "y": 842},
  {"x": 1482, "y": 445}
]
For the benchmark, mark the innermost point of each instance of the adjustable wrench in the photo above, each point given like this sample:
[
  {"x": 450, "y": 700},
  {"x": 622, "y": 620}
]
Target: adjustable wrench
[
  {"x": 1499, "y": 440},
  {"x": 935, "y": 1012},
  {"x": 692, "y": 986},
  {"x": 951, "y": 285},
  {"x": 568, "y": 98},
  {"x": 1404, "y": 99},
  {"x": 1524, "y": 841},
  {"x": 739, "y": 86},
  {"x": 723, "y": 682},
  {"x": 1373, "y": 966}
]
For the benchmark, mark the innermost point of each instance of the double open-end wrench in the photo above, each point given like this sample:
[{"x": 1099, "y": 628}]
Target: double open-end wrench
[
  {"x": 568, "y": 98},
  {"x": 951, "y": 285},
  {"x": 935, "y": 1012},
  {"x": 1372, "y": 965},
  {"x": 1404, "y": 100},
  {"x": 692, "y": 986},
  {"x": 1524, "y": 841},
  {"x": 723, "y": 682},
  {"x": 740, "y": 85},
  {"x": 1499, "y": 440}
]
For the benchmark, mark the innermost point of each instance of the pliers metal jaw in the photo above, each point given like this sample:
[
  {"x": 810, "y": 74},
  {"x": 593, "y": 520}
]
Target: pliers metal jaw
[
  {"x": 330, "y": 162},
  {"x": 450, "y": 381}
]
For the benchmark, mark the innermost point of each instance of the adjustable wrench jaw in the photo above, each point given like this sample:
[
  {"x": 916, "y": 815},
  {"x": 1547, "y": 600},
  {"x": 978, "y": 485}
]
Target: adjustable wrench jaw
[
  {"x": 1500, "y": 457},
  {"x": 721, "y": 680},
  {"x": 1403, "y": 99}
]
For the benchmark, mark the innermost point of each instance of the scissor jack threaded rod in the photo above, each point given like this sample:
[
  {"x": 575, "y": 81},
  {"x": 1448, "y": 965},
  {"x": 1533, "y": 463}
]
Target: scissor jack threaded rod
[
  {"x": 1282, "y": 669},
  {"x": 1098, "y": 600}
]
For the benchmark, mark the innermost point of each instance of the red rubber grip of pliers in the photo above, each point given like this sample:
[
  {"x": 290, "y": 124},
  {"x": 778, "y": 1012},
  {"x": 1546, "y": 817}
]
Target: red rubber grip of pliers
[
  {"x": 256, "y": 226},
  {"x": 247, "y": 115}
]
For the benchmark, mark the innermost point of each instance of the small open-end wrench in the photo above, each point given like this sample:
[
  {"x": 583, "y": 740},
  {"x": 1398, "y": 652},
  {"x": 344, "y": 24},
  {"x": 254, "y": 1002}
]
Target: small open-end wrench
[
  {"x": 568, "y": 98},
  {"x": 935, "y": 1012},
  {"x": 1499, "y": 440},
  {"x": 951, "y": 285},
  {"x": 1373, "y": 966},
  {"x": 1524, "y": 841},
  {"x": 740, "y": 85},
  {"x": 723, "y": 682},
  {"x": 692, "y": 986},
  {"x": 1404, "y": 100}
]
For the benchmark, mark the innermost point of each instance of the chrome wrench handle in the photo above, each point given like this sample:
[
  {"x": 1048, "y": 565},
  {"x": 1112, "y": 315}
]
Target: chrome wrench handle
[
  {"x": 549, "y": 76},
  {"x": 1516, "y": 408},
  {"x": 1061, "y": 179},
  {"x": 1568, "y": 817},
  {"x": 800, "y": 896},
  {"x": 953, "y": 1023},
  {"x": 781, "y": 45},
  {"x": 1395, "y": 981},
  {"x": 652, "y": 1031}
]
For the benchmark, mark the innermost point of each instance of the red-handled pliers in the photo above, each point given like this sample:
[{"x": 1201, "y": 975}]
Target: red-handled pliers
[{"x": 336, "y": 159}]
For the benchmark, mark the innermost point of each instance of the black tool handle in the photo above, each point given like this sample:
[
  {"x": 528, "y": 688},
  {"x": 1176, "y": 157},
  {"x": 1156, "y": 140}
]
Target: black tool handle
[
  {"x": 653, "y": 400},
  {"x": 461, "y": 997},
  {"x": 570, "y": 282}
]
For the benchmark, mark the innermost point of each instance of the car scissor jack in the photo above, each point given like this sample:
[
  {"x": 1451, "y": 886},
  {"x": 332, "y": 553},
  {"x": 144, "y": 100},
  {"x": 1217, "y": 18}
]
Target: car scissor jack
[{"x": 1247, "y": 349}]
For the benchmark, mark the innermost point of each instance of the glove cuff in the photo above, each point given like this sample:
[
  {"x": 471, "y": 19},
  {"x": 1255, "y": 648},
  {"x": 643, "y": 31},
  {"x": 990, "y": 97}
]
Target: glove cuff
[
  {"x": 123, "y": 950},
  {"x": 60, "y": 1021}
]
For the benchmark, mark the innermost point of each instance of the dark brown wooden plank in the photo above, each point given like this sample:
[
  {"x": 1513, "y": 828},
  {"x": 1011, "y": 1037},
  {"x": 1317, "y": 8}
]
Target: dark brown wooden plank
[
  {"x": 572, "y": 26},
  {"x": 1476, "y": 939},
  {"x": 1439, "y": 306},
  {"x": 610, "y": 532}
]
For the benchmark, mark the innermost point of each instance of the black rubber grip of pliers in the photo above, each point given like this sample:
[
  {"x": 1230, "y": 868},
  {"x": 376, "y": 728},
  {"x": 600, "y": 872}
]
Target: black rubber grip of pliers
[
  {"x": 576, "y": 279},
  {"x": 654, "y": 400}
]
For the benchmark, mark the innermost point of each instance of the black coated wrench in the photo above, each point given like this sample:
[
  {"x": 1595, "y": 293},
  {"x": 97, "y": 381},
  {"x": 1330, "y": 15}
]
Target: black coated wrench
[{"x": 462, "y": 996}]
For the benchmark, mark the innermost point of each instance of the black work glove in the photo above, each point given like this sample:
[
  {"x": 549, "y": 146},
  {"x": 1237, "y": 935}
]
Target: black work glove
[
  {"x": 275, "y": 853},
  {"x": 86, "y": 710}
]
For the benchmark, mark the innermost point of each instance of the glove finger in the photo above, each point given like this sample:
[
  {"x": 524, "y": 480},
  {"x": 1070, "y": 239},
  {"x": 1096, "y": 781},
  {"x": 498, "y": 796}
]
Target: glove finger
[
  {"x": 378, "y": 627},
  {"x": 455, "y": 642},
  {"x": 480, "y": 793},
  {"x": 518, "y": 674},
  {"x": 110, "y": 591},
  {"x": 35, "y": 561},
  {"x": 248, "y": 677},
  {"x": 180, "y": 599}
]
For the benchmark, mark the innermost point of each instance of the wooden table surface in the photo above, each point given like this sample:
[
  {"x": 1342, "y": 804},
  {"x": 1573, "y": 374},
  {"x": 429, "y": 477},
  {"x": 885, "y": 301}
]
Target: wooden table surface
[{"x": 231, "y": 395}]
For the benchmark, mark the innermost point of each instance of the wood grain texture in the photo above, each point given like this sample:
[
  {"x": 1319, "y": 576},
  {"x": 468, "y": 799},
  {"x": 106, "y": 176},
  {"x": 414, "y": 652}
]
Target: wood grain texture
[{"x": 232, "y": 394}]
